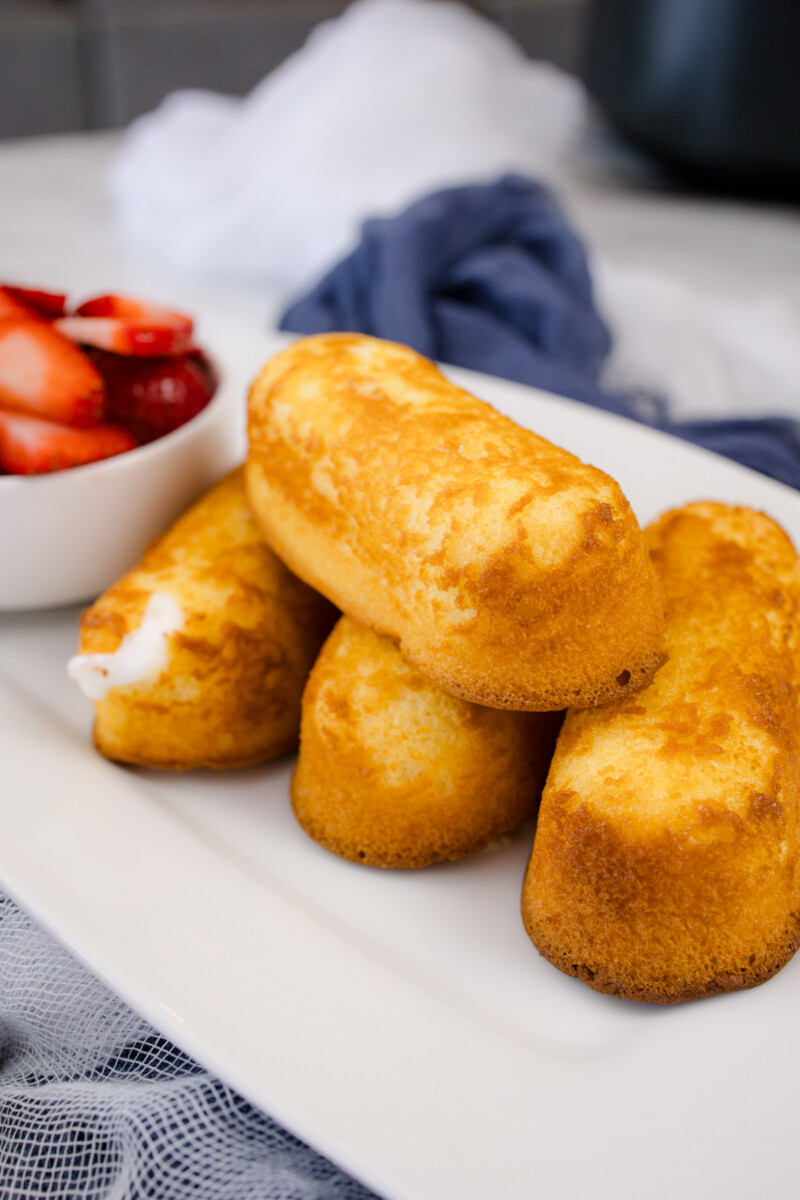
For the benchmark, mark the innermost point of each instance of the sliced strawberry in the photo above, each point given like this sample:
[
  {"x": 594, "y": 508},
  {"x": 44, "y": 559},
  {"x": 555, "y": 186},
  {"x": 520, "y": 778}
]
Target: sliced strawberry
[
  {"x": 127, "y": 326},
  {"x": 41, "y": 372},
  {"x": 125, "y": 337},
  {"x": 135, "y": 312},
  {"x": 29, "y": 446},
  {"x": 153, "y": 396},
  {"x": 12, "y": 309},
  {"x": 47, "y": 305}
]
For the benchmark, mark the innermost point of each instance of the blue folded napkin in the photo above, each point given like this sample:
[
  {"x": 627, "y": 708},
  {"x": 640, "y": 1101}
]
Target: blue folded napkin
[{"x": 492, "y": 277}]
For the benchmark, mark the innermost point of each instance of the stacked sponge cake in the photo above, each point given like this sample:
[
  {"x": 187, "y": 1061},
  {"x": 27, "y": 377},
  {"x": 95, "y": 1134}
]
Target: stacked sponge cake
[
  {"x": 488, "y": 581},
  {"x": 509, "y": 572}
]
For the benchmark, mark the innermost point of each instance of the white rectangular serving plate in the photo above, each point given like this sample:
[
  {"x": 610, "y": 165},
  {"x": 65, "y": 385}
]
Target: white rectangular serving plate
[{"x": 400, "y": 1022}]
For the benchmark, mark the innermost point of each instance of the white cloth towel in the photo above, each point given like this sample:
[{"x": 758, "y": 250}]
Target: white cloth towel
[
  {"x": 705, "y": 355},
  {"x": 389, "y": 101}
]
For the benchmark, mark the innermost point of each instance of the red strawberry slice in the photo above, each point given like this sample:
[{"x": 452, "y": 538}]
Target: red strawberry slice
[
  {"x": 125, "y": 337},
  {"x": 42, "y": 373},
  {"x": 135, "y": 312},
  {"x": 12, "y": 309},
  {"x": 153, "y": 396},
  {"x": 47, "y": 305},
  {"x": 127, "y": 326},
  {"x": 29, "y": 446}
]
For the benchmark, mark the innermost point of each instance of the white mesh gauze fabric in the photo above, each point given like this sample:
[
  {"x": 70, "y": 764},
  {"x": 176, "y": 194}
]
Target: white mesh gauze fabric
[{"x": 96, "y": 1105}]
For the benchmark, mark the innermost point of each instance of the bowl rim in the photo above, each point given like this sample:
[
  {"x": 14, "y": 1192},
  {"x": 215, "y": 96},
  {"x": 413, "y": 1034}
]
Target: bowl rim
[{"x": 128, "y": 459}]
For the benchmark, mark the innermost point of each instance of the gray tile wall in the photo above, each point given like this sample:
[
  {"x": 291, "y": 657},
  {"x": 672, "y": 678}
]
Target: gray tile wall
[
  {"x": 94, "y": 64},
  {"x": 549, "y": 29},
  {"x": 138, "y": 50},
  {"x": 41, "y": 81}
]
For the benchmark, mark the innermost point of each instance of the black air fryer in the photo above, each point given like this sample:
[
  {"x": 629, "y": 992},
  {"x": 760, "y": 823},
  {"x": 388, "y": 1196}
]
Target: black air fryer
[{"x": 711, "y": 87}]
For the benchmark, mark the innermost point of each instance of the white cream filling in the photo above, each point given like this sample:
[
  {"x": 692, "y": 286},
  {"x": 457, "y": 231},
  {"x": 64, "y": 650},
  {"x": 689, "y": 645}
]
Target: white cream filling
[{"x": 142, "y": 653}]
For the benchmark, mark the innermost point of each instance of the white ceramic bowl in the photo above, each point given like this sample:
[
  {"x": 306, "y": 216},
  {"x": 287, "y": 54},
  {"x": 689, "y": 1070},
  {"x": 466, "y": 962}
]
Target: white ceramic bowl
[{"x": 66, "y": 536}]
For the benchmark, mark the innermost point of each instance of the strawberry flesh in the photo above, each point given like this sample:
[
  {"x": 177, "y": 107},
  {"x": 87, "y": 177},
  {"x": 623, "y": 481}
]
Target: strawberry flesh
[
  {"x": 122, "y": 336},
  {"x": 44, "y": 374},
  {"x": 63, "y": 376},
  {"x": 30, "y": 446},
  {"x": 47, "y": 305},
  {"x": 135, "y": 312},
  {"x": 11, "y": 309},
  {"x": 153, "y": 396}
]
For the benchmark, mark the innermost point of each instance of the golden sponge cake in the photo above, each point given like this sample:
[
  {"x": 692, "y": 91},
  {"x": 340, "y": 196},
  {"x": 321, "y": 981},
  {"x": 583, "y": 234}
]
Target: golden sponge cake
[
  {"x": 509, "y": 572},
  {"x": 224, "y": 634},
  {"x": 393, "y": 772},
  {"x": 665, "y": 865}
]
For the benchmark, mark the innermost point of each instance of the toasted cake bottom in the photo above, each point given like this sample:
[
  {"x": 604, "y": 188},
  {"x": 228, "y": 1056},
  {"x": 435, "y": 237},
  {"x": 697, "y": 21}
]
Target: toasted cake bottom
[{"x": 393, "y": 772}]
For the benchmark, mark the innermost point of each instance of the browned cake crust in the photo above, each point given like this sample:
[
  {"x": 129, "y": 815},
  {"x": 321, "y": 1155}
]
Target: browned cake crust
[
  {"x": 509, "y": 572},
  {"x": 231, "y": 691},
  {"x": 393, "y": 772},
  {"x": 665, "y": 865}
]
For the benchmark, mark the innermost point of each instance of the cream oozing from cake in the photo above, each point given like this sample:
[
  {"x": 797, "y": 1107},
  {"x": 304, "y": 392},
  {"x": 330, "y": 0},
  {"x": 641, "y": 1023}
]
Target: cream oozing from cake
[{"x": 142, "y": 654}]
